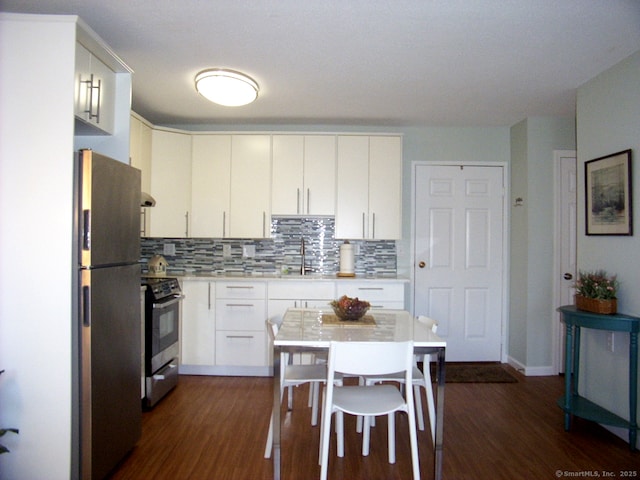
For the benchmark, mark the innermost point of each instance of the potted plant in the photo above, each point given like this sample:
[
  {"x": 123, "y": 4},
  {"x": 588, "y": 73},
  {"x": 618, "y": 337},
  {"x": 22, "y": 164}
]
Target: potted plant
[
  {"x": 4, "y": 449},
  {"x": 596, "y": 292}
]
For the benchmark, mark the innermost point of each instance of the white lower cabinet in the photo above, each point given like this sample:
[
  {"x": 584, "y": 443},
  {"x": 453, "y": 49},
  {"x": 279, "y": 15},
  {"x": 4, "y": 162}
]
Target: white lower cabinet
[
  {"x": 239, "y": 348},
  {"x": 378, "y": 294},
  {"x": 224, "y": 321},
  {"x": 197, "y": 339},
  {"x": 297, "y": 294},
  {"x": 241, "y": 336}
]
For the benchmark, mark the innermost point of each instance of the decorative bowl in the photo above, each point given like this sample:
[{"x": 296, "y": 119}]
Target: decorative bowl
[{"x": 351, "y": 309}]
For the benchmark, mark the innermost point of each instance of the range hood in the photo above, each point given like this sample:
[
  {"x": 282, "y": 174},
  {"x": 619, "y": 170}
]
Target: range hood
[{"x": 147, "y": 200}]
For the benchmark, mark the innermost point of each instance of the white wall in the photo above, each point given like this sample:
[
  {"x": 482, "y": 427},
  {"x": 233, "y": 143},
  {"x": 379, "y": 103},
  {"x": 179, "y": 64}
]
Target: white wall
[
  {"x": 608, "y": 121},
  {"x": 36, "y": 166},
  {"x": 531, "y": 283},
  {"x": 518, "y": 242}
]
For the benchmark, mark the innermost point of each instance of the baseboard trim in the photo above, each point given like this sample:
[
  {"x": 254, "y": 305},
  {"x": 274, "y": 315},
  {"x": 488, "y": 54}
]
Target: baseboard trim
[
  {"x": 235, "y": 371},
  {"x": 545, "y": 371}
]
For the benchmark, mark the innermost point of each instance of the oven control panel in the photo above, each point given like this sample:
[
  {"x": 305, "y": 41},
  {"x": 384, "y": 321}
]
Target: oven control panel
[{"x": 162, "y": 287}]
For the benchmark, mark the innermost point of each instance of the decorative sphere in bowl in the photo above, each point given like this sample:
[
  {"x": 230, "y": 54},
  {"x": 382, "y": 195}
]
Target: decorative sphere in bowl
[{"x": 347, "y": 308}]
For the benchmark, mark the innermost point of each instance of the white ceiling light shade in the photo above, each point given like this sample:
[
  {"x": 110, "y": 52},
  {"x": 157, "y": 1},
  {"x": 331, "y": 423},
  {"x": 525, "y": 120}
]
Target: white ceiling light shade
[{"x": 226, "y": 87}]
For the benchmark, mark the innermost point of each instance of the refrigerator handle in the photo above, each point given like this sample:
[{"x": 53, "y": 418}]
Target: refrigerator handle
[
  {"x": 86, "y": 306},
  {"x": 86, "y": 229}
]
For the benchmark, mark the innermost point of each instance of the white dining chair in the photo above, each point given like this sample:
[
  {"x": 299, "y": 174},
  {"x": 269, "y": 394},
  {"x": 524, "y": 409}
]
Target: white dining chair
[
  {"x": 293, "y": 376},
  {"x": 420, "y": 379},
  {"x": 368, "y": 358}
]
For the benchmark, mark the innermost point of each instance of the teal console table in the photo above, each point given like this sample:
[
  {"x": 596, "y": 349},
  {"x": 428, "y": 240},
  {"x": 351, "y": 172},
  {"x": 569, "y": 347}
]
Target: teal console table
[{"x": 574, "y": 404}]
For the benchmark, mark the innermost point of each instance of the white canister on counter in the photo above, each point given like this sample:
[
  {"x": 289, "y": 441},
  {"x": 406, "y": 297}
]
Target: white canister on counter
[{"x": 347, "y": 262}]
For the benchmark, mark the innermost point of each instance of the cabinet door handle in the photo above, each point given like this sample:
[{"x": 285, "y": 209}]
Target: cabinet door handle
[
  {"x": 264, "y": 222},
  {"x": 186, "y": 224},
  {"x": 308, "y": 200},
  {"x": 209, "y": 297},
  {"x": 248, "y": 305},
  {"x": 297, "y": 200},
  {"x": 87, "y": 96},
  {"x": 224, "y": 224},
  {"x": 143, "y": 222},
  {"x": 363, "y": 236},
  {"x": 97, "y": 115},
  {"x": 240, "y": 286},
  {"x": 370, "y": 288},
  {"x": 239, "y": 336},
  {"x": 373, "y": 227},
  {"x": 89, "y": 103}
]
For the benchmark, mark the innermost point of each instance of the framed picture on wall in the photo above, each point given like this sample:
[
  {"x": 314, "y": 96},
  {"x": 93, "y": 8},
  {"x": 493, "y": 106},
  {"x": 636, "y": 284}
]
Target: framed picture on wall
[{"x": 608, "y": 195}]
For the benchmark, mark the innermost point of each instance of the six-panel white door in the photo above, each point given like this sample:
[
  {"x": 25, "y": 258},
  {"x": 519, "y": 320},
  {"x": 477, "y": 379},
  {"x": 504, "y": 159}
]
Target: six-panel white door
[{"x": 459, "y": 256}]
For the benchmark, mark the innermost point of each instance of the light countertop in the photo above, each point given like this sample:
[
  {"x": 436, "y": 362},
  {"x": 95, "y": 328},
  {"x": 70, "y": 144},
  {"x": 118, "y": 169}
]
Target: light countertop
[{"x": 213, "y": 276}]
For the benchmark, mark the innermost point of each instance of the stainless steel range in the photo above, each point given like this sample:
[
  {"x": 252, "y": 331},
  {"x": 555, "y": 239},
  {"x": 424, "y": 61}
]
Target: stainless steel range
[{"x": 162, "y": 329}]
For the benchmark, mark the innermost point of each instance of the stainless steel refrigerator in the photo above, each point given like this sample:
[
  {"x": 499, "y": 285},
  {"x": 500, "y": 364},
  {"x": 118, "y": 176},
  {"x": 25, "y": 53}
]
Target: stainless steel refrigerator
[{"x": 107, "y": 329}]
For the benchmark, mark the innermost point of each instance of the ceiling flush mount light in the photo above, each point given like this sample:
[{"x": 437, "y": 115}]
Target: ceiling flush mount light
[{"x": 226, "y": 87}]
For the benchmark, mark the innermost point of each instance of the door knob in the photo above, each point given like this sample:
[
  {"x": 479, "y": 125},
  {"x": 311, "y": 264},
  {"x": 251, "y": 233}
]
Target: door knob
[
  {"x": 422, "y": 264},
  {"x": 568, "y": 276}
]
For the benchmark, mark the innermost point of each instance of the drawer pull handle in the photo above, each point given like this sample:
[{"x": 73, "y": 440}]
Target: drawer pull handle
[
  {"x": 370, "y": 288},
  {"x": 239, "y": 336},
  {"x": 240, "y": 305},
  {"x": 240, "y": 286}
]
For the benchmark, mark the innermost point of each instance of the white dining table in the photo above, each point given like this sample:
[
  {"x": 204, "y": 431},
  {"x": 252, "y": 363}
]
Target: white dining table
[{"x": 312, "y": 329}]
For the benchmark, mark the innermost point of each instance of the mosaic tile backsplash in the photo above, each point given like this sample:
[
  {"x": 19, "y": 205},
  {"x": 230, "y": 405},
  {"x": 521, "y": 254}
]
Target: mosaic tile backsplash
[{"x": 279, "y": 254}]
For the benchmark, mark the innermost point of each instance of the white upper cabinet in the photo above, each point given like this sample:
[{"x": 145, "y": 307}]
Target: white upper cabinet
[
  {"x": 320, "y": 174},
  {"x": 140, "y": 150},
  {"x": 216, "y": 185},
  {"x": 250, "y": 207},
  {"x": 385, "y": 187},
  {"x": 369, "y": 187},
  {"x": 140, "y": 157},
  {"x": 170, "y": 184},
  {"x": 95, "y": 91},
  {"x": 352, "y": 195},
  {"x": 210, "y": 185},
  {"x": 304, "y": 169},
  {"x": 288, "y": 171},
  {"x": 102, "y": 97}
]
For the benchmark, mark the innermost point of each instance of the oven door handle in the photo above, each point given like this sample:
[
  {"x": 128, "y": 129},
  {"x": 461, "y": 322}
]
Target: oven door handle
[{"x": 175, "y": 299}]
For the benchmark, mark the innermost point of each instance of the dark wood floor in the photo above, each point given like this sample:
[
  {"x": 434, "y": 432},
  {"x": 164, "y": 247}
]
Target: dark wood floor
[{"x": 215, "y": 428}]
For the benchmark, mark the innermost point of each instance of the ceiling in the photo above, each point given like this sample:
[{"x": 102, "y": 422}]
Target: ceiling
[{"x": 361, "y": 62}]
